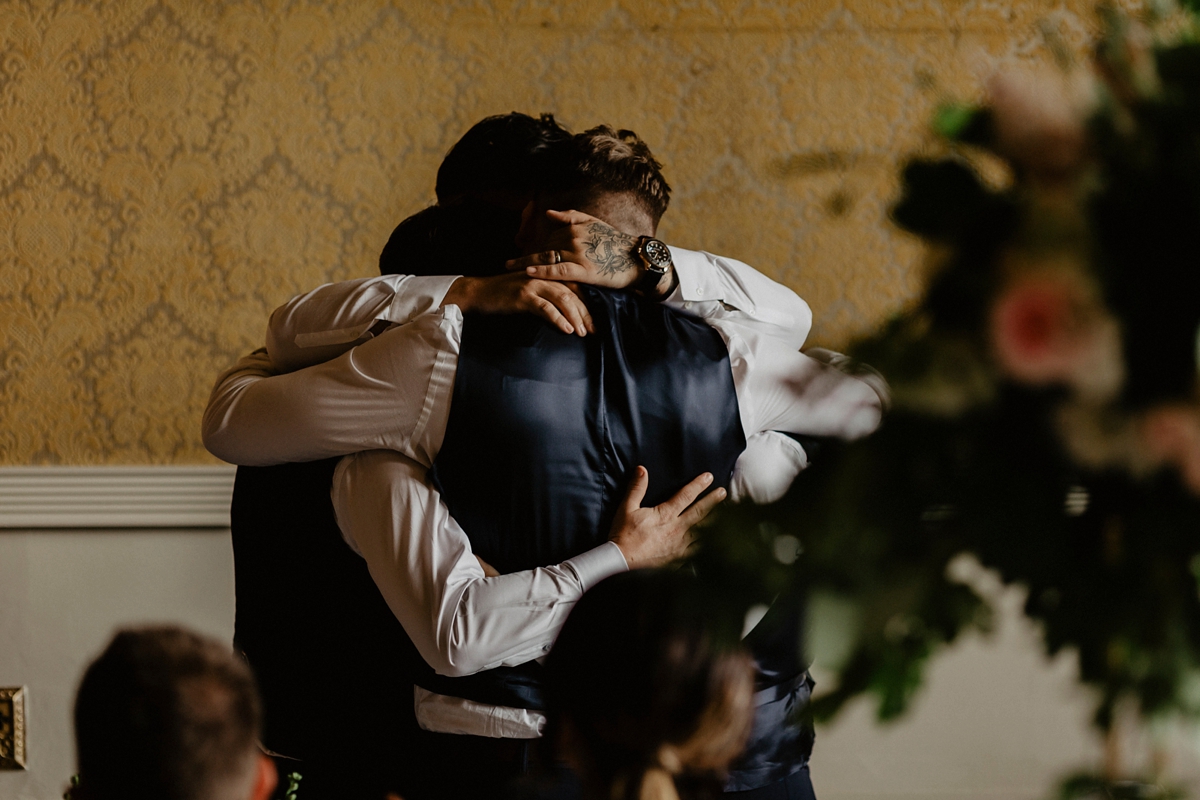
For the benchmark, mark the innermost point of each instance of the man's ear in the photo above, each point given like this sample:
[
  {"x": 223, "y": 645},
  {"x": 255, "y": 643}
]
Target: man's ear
[{"x": 265, "y": 778}]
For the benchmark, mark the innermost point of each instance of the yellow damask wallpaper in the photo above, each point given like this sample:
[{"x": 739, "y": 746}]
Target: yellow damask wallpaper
[{"x": 171, "y": 171}]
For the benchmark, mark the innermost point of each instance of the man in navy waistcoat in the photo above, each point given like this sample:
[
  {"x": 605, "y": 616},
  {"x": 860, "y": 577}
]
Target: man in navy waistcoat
[{"x": 637, "y": 342}]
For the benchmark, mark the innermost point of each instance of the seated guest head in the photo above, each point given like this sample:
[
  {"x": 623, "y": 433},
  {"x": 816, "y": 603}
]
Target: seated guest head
[
  {"x": 644, "y": 696},
  {"x": 485, "y": 180},
  {"x": 607, "y": 173},
  {"x": 165, "y": 714}
]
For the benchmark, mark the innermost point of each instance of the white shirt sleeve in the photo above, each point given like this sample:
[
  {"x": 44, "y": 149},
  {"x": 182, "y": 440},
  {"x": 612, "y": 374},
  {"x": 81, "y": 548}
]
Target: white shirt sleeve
[
  {"x": 391, "y": 392},
  {"x": 766, "y": 468},
  {"x": 719, "y": 289},
  {"x": 460, "y": 621},
  {"x": 319, "y": 325},
  {"x": 781, "y": 389}
]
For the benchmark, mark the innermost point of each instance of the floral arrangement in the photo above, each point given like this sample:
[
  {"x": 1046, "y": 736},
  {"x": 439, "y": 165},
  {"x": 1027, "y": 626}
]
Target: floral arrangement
[{"x": 1046, "y": 408}]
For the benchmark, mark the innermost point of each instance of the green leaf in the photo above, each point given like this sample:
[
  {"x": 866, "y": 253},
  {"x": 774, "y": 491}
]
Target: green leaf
[
  {"x": 943, "y": 200},
  {"x": 293, "y": 787},
  {"x": 951, "y": 119}
]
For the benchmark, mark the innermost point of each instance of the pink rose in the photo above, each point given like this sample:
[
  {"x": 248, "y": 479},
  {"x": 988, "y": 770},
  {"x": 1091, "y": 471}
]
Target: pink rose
[
  {"x": 1046, "y": 328},
  {"x": 1039, "y": 117}
]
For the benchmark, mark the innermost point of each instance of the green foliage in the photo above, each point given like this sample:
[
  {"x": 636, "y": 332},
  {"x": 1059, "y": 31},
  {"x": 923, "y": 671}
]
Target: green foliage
[
  {"x": 1087, "y": 786},
  {"x": 974, "y": 458},
  {"x": 965, "y": 124},
  {"x": 293, "y": 787},
  {"x": 945, "y": 201},
  {"x": 1191, "y": 5},
  {"x": 952, "y": 119}
]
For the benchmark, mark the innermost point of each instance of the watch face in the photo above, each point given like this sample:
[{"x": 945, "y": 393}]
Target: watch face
[{"x": 657, "y": 254}]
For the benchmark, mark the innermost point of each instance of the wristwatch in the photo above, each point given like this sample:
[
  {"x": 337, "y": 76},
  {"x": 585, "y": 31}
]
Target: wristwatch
[{"x": 656, "y": 262}]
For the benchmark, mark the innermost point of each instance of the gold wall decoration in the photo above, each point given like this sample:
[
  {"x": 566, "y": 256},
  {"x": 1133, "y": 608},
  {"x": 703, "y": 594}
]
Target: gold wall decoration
[
  {"x": 172, "y": 170},
  {"x": 12, "y": 728}
]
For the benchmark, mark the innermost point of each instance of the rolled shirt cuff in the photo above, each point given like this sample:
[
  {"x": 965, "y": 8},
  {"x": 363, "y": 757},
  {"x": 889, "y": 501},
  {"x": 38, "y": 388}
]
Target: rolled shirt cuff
[
  {"x": 692, "y": 269},
  {"x": 597, "y": 564},
  {"x": 443, "y": 714},
  {"x": 401, "y": 298},
  {"x": 421, "y": 293}
]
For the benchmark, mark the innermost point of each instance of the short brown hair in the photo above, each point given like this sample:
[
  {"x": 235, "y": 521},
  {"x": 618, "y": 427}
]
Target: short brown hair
[
  {"x": 604, "y": 160},
  {"x": 166, "y": 714}
]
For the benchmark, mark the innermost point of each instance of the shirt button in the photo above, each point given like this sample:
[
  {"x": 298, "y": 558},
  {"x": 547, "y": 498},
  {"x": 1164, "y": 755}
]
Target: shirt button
[
  {"x": 688, "y": 304},
  {"x": 700, "y": 291}
]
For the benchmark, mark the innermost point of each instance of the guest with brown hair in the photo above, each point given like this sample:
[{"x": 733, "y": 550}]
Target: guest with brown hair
[
  {"x": 166, "y": 714},
  {"x": 647, "y": 697}
]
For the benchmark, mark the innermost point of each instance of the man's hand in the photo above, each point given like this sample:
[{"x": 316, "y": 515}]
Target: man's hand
[
  {"x": 554, "y": 301},
  {"x": 585, "y": 250},
  {"x": 650, "y": 537}
]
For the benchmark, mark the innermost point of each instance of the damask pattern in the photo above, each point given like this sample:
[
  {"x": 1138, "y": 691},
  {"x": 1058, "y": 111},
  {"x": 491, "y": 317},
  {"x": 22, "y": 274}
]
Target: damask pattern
[{"x": 172, "y": 170}]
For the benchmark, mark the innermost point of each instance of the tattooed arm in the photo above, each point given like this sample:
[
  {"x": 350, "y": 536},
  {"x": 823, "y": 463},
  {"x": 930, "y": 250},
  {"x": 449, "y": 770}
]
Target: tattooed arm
[
  {"x": 721, "y": 290},
  {"x": 589, "y": 250},
  {"x": 611, "y": 251}
]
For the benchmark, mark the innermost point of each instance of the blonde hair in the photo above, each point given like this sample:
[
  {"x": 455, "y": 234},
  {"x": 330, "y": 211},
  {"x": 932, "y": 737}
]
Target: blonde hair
[{"x": 719, "y": 737}]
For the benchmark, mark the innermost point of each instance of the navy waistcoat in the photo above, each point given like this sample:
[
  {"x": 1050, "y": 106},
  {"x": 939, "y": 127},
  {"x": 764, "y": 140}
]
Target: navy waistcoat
[{"x": 545, "y": 430}]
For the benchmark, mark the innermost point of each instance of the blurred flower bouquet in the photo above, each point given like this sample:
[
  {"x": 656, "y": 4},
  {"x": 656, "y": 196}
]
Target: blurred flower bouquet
[{"x": 1046, "y": 415}]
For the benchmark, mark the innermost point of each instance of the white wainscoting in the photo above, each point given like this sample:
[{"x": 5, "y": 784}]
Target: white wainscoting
[{"x": 115, "y": 497}]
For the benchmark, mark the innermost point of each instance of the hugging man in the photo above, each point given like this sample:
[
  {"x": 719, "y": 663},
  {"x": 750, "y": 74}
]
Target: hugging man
[{"x": 533, "y": 434}]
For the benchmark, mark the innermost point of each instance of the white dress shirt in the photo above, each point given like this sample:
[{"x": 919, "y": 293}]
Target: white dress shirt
[
  {"x": 392, "y": 391},
  {"x": 390, "y": 395}
]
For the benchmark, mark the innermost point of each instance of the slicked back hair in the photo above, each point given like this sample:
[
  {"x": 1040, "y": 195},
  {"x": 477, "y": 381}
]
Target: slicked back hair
[
  {"x": 166, "y": 714},
  {"x": 604, "y": 160}
]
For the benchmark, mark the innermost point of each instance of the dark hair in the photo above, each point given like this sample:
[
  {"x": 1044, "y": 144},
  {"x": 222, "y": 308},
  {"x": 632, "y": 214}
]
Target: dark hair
[
  {"x": 466, "y": 236},
  {"x": 165, "y": 714},
  {"x": 603, "y": 160},
  {"x": 645, "y": 687},
  {"x": 499, "y": 154}
]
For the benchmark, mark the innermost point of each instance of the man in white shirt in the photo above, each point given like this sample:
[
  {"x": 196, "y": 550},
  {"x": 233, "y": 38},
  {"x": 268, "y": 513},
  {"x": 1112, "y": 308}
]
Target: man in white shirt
[{"x": 392, "y": 392}]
